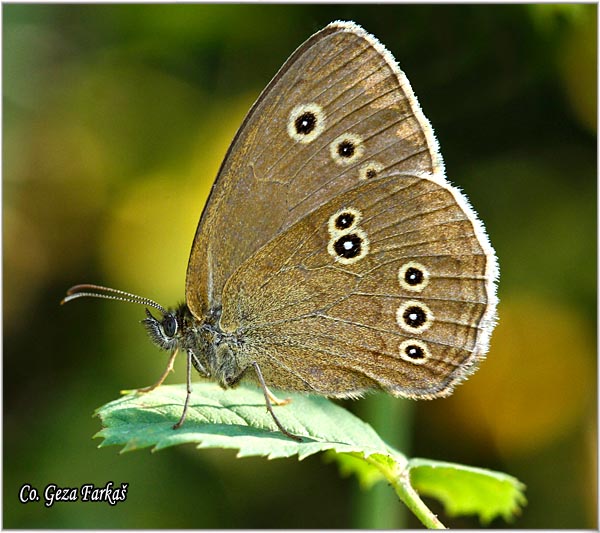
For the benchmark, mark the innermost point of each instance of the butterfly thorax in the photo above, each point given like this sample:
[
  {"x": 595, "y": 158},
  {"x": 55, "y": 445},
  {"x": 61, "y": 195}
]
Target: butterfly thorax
[{"x": 211, "y": 350}]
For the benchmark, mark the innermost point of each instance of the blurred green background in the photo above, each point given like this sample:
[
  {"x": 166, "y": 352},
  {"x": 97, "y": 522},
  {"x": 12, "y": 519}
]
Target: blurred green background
[{"x": 115, "y": 120}]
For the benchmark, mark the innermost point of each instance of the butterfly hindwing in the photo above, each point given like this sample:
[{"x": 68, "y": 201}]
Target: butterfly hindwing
[{"x": 388, "y": 285}]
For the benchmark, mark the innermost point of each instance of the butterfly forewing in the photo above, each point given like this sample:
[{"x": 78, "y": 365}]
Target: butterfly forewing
[{"x": 338, "y": 112}]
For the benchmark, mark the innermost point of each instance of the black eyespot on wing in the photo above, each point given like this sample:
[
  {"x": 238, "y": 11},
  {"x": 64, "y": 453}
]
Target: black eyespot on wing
[
  {"x": 346, "y": 148},
  {"x": 348, "y": 246},
  {"x": 414, "y": 316},
  {"x": 414, "y": 276},
  {"x": 414, "y": 352},
  {"x": 370, "y": 170},
  {"x": 305, "y": 123},
  {"x": 344, "y": 221}
]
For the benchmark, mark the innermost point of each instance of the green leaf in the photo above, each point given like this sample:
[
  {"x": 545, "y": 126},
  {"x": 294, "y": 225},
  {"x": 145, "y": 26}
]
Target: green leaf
[
  {"x": 349, "y": 463},
  {"x": 237, "y": 419},
  {"x": 466, "y": 490}
]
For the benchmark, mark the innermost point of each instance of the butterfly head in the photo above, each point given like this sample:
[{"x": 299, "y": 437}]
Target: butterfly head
[{"x": 163, "y": 332}]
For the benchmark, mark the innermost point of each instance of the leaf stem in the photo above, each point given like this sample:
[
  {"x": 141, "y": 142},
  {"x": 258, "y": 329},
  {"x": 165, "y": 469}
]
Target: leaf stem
[
  {"x": 399, "y": 478},
  {"x": 409, "y": 496}
]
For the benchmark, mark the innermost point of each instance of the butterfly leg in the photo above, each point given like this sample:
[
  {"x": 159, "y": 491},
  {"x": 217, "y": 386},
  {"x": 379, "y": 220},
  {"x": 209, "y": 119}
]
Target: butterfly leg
[
  {"x": 188, "y": 392},
  {"x": 275, "y": 400},
  {"x": 268, "y": 396},
  {"x": 163, "y": 377}
]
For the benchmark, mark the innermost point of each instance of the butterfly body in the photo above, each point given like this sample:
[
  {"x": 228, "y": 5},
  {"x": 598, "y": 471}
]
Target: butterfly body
[{"x": 333, "y": 256}]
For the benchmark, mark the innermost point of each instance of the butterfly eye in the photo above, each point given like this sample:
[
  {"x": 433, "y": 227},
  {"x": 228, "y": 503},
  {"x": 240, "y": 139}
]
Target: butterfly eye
[
  {"x": 169, "y": 325},
  {"x": 162, "y": 332}
]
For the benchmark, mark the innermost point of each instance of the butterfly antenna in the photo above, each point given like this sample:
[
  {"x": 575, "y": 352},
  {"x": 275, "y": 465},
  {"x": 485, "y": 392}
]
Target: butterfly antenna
[{"x": 97, "y": 291}]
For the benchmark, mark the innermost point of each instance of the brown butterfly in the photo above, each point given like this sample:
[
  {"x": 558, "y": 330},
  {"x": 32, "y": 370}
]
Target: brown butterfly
[{"x": 332, "y": 256}]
